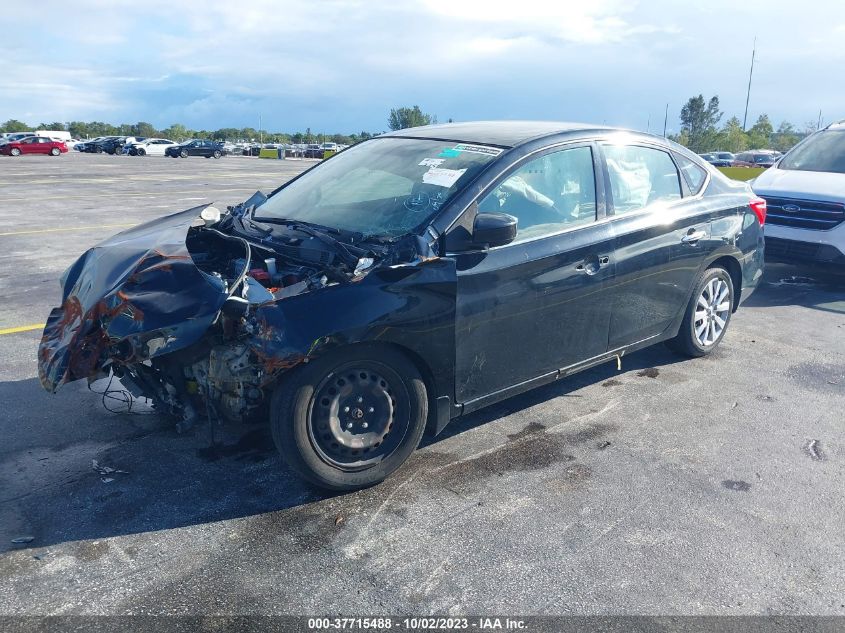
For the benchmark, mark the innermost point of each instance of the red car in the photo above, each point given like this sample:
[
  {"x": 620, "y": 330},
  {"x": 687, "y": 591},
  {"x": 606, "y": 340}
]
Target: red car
[{"x": 33, "y": 145}]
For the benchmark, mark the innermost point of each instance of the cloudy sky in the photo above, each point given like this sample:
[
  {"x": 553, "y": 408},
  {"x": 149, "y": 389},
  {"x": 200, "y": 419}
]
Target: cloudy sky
[{"x": 339, "y": 66}]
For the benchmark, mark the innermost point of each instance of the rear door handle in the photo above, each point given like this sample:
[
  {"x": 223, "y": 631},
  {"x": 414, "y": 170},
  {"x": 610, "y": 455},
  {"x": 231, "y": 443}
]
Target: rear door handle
[
  {"x": 693, "y": 236},
  {"x": 592, "y": 264}
]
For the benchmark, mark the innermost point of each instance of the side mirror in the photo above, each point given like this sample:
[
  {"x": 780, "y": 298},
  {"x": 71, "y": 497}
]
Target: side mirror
[{"x": 493, "y": 229}]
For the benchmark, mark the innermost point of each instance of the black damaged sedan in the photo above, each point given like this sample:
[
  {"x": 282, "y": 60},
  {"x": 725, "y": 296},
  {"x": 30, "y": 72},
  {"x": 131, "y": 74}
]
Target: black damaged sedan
[{"x": 408, "y": 280}]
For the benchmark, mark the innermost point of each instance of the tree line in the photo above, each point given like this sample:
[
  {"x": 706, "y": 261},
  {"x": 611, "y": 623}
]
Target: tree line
[
  {"x": 179, "y": 132},
  {"x": 701, "y": 132},
  {"x": 398, "y": 119}
]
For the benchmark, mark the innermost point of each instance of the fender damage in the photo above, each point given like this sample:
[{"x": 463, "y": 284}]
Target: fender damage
[{"x": 188, "y": 315}]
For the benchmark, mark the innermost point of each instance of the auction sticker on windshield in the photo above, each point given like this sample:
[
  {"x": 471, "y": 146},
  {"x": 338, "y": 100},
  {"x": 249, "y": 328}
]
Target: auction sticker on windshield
[
  {"x": 478, "y": 149},
  {"x": 442, "y": 177}
]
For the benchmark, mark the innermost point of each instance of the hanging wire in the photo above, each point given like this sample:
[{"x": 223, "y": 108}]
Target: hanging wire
[{"x": 122, "y": 396}]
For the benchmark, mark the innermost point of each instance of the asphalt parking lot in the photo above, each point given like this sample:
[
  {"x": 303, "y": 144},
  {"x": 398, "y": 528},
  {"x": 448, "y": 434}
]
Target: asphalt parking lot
[{"x": 671, "y": 486}]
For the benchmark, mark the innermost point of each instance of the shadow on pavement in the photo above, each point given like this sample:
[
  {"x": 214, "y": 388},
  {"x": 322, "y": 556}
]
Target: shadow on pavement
[{"x": 52, "y": 493}]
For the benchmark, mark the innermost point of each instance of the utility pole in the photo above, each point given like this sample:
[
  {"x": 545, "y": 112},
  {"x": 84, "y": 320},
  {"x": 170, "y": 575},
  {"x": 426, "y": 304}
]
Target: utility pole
[
  {"x": 260, "y": 135},
  {"x": 750, "y": 74},
  {"x": 819, "y": 124},
  {"x": 665, "y": 120},
  {"x": 648, "y": 123}
]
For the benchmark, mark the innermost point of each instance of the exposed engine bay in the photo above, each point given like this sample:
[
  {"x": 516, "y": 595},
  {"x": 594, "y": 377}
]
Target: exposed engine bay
[{"x": 181, "y": 324}]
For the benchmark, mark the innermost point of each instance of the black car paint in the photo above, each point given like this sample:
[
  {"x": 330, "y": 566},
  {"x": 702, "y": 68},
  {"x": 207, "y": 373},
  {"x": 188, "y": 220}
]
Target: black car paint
[
  {"x": 484, "y": 324},
  {"x": 196, "y": 148}
]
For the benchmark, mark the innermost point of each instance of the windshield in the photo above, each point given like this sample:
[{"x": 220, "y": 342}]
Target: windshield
[
  {"x": 824, "y": 151},
  {"x": 383, "y": 187}
]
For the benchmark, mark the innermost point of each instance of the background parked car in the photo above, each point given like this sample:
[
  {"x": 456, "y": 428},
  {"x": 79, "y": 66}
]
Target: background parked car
[
  {"x": 33, "y": 145},
  {"x": 15, "y": 136},
  {"x": 151, "y": 146},
  {"x": 755, "y": 159},
  {"x": 805, "y": 192},
  {"x": 95, "y": 146},
  {"x": 208, "y": 149}
]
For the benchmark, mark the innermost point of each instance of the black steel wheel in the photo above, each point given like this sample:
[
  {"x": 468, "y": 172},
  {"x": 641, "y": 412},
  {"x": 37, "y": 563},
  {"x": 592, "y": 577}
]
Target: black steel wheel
[{"x": 349, "y": 419}]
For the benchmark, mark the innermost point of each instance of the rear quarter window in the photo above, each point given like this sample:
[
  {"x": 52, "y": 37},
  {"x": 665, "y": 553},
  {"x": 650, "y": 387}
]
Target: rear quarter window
[{"x": 694, "y": 174}]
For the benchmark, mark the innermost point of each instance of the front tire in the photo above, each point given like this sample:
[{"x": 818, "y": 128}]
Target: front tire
[
  {"x": 183, "y": 154},
  {"x": 217, "y": 154},
  {"x": 708, "y": 315},
  {"x": 348, "y": 419},
  {"x": 15, "y": 151},
  {"x": 139, "y": 152}
]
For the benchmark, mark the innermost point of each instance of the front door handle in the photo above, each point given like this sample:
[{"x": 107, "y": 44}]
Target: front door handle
[{"x": 693, "y": 237}]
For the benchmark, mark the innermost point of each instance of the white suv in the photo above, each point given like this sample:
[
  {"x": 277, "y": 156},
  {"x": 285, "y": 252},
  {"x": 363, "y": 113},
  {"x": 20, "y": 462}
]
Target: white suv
[{"x": 805, "y": 195}]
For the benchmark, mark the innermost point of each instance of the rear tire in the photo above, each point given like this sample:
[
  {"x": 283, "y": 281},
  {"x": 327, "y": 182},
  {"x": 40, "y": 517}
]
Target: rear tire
[
  {"x": 55, "y": 151},
  {"x": 708, "y": 315},
  {"x": 349, "y": 419},
  {"x": 217, "y": 154}
]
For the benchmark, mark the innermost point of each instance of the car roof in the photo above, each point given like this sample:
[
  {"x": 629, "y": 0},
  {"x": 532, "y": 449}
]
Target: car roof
[{"x": 500, "y": 133}]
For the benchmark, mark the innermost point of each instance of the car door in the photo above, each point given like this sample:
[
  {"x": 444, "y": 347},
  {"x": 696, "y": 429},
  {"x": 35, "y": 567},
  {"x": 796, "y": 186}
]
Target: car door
[
  {"x": 661, "y": 234},
  {"x": 539, "y": 304},
  {"x": 30, "y": 145},
  {"x": 161, "y": 146}
]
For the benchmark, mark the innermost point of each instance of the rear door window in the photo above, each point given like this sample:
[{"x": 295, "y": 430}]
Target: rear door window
[{"x": 640, "y": 176}]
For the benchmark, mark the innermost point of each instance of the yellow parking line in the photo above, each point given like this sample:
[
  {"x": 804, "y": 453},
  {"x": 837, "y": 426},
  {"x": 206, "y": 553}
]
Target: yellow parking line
[
  {"x": 21, "y": 328},
  {"x": 68, "y": 228}
]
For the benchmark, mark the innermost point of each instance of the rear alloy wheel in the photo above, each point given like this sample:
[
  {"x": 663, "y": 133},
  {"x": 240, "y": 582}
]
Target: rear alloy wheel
[
  {"x": 349, "y": 419},
  {"x": 55, "y": 151},
  {"x": 183, "y": 154},
  {"x": 15, "y": 151},
  {"x": 708, "y": 314},
  {"x": 217, "y": 153}
]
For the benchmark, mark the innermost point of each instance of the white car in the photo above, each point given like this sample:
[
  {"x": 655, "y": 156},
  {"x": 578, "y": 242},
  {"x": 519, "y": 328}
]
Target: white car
[
  {"x": 151, "y": 146},
  {"x": 805, "y": 195}
]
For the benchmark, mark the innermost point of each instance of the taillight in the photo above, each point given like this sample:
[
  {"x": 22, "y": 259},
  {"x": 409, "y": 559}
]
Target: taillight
[{"x": 758, "y": 206}]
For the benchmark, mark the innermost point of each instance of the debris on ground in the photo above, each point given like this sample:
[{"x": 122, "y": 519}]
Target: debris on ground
[
  {"x": 603, "y": 445},
  {"x": 106, "y": 471},
  {"x": 23, "y": 539},
  {"x": 339, "y": 519},
  {"x": 813, "y": 448}
]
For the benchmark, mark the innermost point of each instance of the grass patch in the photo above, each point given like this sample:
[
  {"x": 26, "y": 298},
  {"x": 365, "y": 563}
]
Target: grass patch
[{"x": 741, "y": 173}]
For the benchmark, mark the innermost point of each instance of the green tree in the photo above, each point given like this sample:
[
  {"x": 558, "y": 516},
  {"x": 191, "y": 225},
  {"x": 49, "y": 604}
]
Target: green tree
[
  {"x": 13, "y": 125},
  {"x": 732, "y": 138},
  {"x": 785, "y": 137},
  {"x": 760, "y": 135},
  {"x": 142, "y": 128},
  {"x": 402, "y": 118},
  {"x": 176, "y": 132},
  {"x": 55, "y": 126},
  {"x": 78, "y": 129},
  {"x": 699, "y": 121}
]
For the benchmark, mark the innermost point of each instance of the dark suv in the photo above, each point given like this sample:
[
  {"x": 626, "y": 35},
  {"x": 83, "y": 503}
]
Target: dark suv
[{"x": 209, "y": 149}]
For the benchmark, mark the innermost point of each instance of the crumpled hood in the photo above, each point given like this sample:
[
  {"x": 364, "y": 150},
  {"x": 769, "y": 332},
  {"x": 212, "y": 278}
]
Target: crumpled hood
[{"x": 135, "y": 296}]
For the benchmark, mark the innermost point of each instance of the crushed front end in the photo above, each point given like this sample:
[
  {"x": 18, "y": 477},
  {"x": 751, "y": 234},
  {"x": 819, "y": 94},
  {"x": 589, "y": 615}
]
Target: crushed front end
[{"x": 183, "y": 310}]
